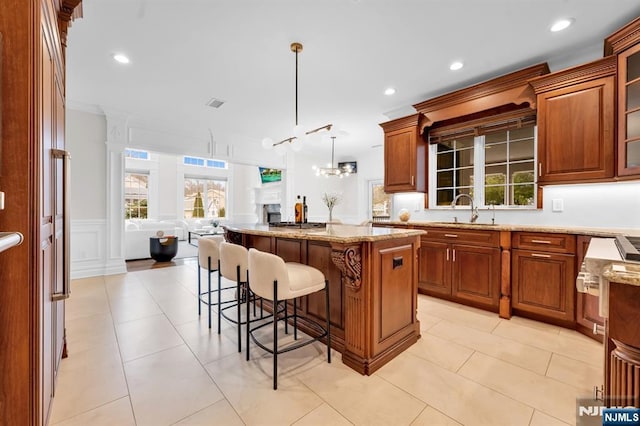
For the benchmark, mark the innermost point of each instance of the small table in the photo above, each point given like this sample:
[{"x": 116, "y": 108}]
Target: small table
[
  {"x": 163, "y": 249},
  {"x": 204, "y": 232}
]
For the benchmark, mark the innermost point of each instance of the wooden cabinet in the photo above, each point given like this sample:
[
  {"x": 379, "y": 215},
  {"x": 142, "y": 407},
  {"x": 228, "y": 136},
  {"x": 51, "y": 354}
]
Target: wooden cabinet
[
  {"x": 543, "y": 276},
  {"x": 625, "y": 45},
  {"x": 587, "y": 305},
  {"x": 405, "y": 156},
  {"x": 576, "y": 110},
  {"x": 461, "y": 265}
]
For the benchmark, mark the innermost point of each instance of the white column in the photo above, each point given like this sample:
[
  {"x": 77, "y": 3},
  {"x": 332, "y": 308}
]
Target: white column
[{"x": 115, "y": 144}]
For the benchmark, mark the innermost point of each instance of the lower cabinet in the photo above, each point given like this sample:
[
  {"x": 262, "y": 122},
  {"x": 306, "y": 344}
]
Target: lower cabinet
[
  {"x": 465, "y": 271},
  {"x": 543, "y": 275}
]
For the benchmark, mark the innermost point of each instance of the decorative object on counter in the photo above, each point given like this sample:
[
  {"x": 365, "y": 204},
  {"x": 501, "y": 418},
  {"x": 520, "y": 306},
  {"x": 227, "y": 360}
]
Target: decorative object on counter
[
  {"x": 160, "y": 234},
  {"x": 163, "y": 249},
  {"x": 215, "y": 223},
  {"x": 404, "y": 215},
  {"x": 299, "y": 133},
  {"x": 298, "y": 210},
  {"x": 330, "y": 200},
  {"x": 332, "y": 170}
]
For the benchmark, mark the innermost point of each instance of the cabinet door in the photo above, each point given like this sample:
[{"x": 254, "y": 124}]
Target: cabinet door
[
  {"x": 434, "y": 273},
  {"x": 543, "y": 284},
  {"x": 575, "y": 132},
  {"x": 629, "y": 112},
  {"x": 404, "y": 161},
  {"x": 587, "y": 306},
  {"x": 476, "y": 274}
]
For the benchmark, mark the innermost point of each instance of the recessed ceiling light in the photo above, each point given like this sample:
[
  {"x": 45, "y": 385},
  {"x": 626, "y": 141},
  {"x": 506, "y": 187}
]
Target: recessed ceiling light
[
  {"x": 561, "y": 24},
  {"x": 389, "y": 91},
  {"x": 119, "y": 57},
  {"x": 456, "y": 66}
]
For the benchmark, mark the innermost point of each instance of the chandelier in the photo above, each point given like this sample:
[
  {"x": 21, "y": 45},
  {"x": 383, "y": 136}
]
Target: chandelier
[
  {"x": 299, "y": 134},
  {"x": 331, "y": 170}
]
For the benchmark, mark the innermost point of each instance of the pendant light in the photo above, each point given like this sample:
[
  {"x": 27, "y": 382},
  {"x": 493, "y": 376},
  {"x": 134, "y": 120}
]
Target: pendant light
[
  {"x": 331, "y": 169},
  {"x": 299, "y": 133}
]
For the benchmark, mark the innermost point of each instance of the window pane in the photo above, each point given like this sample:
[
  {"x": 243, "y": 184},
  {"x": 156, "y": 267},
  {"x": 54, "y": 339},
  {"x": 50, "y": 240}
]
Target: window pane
[
  {"x": 445, "y": 146},
  {"x": 495, "y": 153},
  {"x": 204, "y": 198},
  {"x": 445, "y": 160},
  {"x": 464, "y": 158},
  {"x": 464, "y": 177},
  {"x": 633, "y": 154},
  {"x": 444, "y": 197},
  {"x": 522, "y": 133},
  {"x": 466, "y": 142},
  {"x": 136, "y": 190},
  {"x": 494, "y": 195},
  {"x": 633, "y": 67},
  {"x": 521, "y": 150},
  {"x": 380, "y": 202},
  {"x": 445, "y": 179},
  {"x": 522, "y": 172},
  {"x": 633, "y": 95},
  {"x": 495, "y": 137},
  {"x": 522, "y": 195},
  {"x": 633, "y": 125}
]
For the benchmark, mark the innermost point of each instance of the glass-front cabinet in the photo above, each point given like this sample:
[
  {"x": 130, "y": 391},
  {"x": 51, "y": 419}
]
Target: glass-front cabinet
[
  {"x": 625, "y": 43},
  {"x": 629, "y": 111}
]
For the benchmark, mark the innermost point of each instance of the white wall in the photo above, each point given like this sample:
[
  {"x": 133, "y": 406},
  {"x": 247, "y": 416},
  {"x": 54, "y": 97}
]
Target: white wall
[{"x": 603, "y": 205}]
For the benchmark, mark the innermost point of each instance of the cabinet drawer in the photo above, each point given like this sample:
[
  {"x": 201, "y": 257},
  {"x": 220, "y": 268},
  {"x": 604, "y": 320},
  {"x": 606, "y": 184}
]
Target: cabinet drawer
[
  {"x": 464, "y": 236},
  {"x": 556, "y": 243}
]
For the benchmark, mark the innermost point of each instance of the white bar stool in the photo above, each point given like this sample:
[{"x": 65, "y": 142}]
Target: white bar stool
[
  {"x": 234, "y": 265},
  {"x": 273, "y": 279},
  {"x": 208, "y": 259}
]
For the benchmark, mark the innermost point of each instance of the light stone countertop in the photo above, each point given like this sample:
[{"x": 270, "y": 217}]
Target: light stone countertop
[
  {"x": 604, "y": 259},
  {"x": 332, "y": 232},
  {"x": 593, "y": 232}
]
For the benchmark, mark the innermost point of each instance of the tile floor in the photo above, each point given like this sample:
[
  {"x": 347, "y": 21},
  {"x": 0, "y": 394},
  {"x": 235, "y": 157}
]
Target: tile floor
[{"x": 140, "y": 355}]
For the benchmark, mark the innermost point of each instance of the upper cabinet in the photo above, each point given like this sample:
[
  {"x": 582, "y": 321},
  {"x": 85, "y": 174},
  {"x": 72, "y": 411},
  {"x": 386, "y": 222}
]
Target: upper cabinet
[
  {"x": 576, "y": 110},
  {"x": 405, "y": 156},
  {"x": 625, "y": 44}
]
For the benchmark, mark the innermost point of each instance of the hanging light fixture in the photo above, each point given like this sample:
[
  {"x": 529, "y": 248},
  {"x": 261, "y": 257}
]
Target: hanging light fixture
[
  {"x": 299, "y": 134},
  {"x": 331, "y": 170}
]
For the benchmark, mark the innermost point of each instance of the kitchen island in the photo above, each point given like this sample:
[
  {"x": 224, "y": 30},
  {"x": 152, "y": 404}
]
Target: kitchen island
[{"x": 373, "y": 279}]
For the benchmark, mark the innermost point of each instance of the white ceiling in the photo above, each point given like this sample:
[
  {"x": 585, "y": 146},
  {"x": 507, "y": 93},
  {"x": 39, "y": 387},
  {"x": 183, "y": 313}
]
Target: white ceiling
[{"x": 184, "y": 52}]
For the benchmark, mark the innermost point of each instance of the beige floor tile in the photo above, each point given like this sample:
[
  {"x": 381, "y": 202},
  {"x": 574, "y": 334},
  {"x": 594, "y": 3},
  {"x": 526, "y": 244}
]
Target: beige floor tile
[
  {"x": 168, "y": 386},
  {"x": 114, "y": 413},
  {"x": 86, "y": 304},
  {"x": 363, "y": 400},
  {"x": 87, "y": 286},
  {"x": 128, "y": 285},
  {"x": 181, "y": 307},
  {"x": 575, "y": 373},
  {"x": 545, "y": 394},
  {"x": 541, "y": 326},
  {"x": 205, "y": 342},
  {"x": 432, "y": 417},
  {"x": 585, "y": 350},
  {"x": 133, "y": 308},
  {"x": 525, "y": 356},
  {"x": 442, "y": 352},
  {"x": 87, "y": 380},
  {"x": 89, "y": 332},
  {"x": 220, "y": 413},
  {"x": 248, "y": 388},
  {"x": 541, "y": 419},
  {"x": 464, "y": 400},
  {"x": 146, "y": 336},
  {"x": 475, "y": 318},
  {"x": 427, "y": 321},
  {"x": 323, "y": 415}
]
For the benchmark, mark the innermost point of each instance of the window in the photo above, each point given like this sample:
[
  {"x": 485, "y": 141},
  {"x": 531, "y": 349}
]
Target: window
[
  {"x": 201, "y": 162},
  {"x": 380, "y": 202},
  {"x": 495, "y": 168},
  {"x": 204, "y": 198},
  {"x": 136, "y": 193},
  {"x": 136, "y": 153}
]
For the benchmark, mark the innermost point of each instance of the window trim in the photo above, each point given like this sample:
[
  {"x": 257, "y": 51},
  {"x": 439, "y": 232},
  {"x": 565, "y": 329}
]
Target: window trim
[{"x": 479, "y": 175}]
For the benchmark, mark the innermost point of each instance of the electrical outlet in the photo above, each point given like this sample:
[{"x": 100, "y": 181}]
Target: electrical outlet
[{"x": 557, "y": 205}]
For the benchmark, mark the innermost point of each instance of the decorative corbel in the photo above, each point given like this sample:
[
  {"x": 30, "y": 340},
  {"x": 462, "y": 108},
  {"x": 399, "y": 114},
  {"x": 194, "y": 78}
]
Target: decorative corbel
[{"x": 349, "y": 262}]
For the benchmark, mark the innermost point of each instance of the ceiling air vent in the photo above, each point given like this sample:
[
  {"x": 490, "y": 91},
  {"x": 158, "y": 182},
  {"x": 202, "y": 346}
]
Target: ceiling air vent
[{"x": 215, "y": 103}]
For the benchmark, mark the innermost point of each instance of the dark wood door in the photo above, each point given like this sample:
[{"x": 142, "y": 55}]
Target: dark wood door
[
  {"x": 434, "y": 273},
  {"x": 543, "y": 285},
  {"x": 400, "y": 168},
  {"x": 476, "y": 274},
  {"x": 575, "y": 132}
]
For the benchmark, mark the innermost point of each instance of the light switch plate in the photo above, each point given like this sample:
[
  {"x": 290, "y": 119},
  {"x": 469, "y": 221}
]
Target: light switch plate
[
  {"x": 1, "y": 200},
  {"x": 557, "y": 205}
]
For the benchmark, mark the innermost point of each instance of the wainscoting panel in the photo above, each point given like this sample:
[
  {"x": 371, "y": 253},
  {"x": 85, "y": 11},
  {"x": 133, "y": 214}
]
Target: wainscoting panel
[{"x": 88, "y": 253}]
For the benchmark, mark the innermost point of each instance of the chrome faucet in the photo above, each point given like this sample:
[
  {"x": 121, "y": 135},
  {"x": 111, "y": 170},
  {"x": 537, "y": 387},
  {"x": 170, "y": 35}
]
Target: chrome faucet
[{"x": 474, "y": 210}]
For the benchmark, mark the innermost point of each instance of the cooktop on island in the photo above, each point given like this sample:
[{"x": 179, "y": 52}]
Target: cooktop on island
[
  {"x": 306, "y": 225},
  {"x": 629, "y": 247}
]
